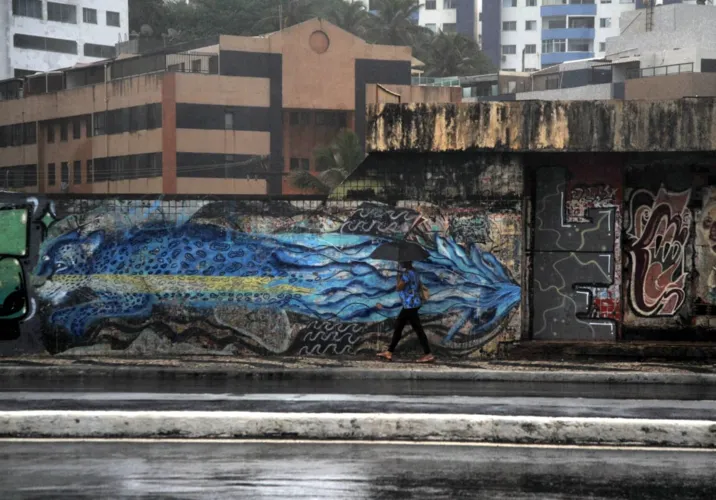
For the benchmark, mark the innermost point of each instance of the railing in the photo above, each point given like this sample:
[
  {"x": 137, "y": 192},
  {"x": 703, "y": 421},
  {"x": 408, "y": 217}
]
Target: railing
[
  {"x": 671, "y": 69},
  {"x": 436, "y": 82}
]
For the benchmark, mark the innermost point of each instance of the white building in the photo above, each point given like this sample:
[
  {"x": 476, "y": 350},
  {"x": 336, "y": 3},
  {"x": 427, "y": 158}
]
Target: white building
[
  {"x": 43, "y": 35},
  {"x": 535, "y": 34}
]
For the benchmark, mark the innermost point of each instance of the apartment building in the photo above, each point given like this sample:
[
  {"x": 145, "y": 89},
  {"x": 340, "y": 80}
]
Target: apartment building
[
  {"x": 527, "y": 35},
  {"x": 229, "y": 115},
  {"x": 43, "y": 35},
  {"x": 451, "y": 16}
]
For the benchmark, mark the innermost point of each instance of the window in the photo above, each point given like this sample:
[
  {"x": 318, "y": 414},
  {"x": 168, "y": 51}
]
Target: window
[
  {"x": 88, "y": 125},
  {"x": 300, "y": 118},
  {"x": 113, "y": 18},
  {"x": 77, "y": 173},
  {"x": 431, "y": 4},
  {"x": 196, "y": 66},
  {"x": 450, "y": 4},
  {"x": 99, "y": 51},
  {"x": 90, "y": 172},
  {"x": 62, "y": 12},
  {"x": 177, "y": 68},
  {"x": 605, "y": 1},
  {"x": 449, "y": 28},
  {"x": 16, "y": 134},
  {"x": 432, "y": 27},
  {"x": 154, "y": 116},
  {"x": 531, "y": 3},
  {"x": 531, "y": 49},
  {"x": 51, "y": 174},
  {"x": 100, "y": 123},
  {"x": 300, "y": 164},
  {"x": 138, "y": 118},
  {"x": 554, "y": 23},
  {"x": 76, "y": 128},
  {"x": 579, "y": 46},
  {"x": 65, "y": 174},
  {"x": 605, "y": 22},
  {"x": 45, "y": 43},
  {"x": 50, "y": 133},
  {"x": 530, "y": 25},
  {"x": 30, "y": 133},
  {"x": 228, "y": 120},
  {"x": 509, "y": 26},
  {"x": 602, "y": 46},
  {"x": 509, "y": 49},
  {"x": 89, "y": 15},
  {"x": 551, "y": 46},
  {"x": 581, "y": 22},
  {"x": 63, "y": 130},
  {"x": 509, "y": 3},
  {"x": 27, "y": 8}
]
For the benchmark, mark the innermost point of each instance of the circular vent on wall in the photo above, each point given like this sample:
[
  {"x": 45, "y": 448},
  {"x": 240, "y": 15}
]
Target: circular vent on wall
[{"x": 319, "y": 42}]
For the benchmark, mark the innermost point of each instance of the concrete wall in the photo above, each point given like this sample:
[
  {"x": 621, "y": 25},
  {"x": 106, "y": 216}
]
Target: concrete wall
[
  {"x": 672, "y": 86},
  {"x": 618, "y": 126},
  {"x": 207, "y": 275},
  {"x": 587, "y": 92}
]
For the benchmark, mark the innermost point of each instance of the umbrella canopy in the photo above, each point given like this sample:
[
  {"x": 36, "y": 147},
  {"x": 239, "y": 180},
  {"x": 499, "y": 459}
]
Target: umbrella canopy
[{"x": 400, "y": 251}]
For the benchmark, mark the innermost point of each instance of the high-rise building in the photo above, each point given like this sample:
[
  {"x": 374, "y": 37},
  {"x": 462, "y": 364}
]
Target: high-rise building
[
  {"x": 41, "y": 35},
  {"x": 525, "y": 35},
  {"x": 451, "y": 16}
]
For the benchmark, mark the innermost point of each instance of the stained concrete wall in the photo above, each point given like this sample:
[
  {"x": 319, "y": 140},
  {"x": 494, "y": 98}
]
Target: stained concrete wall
[{"x": 529, "y": 126}]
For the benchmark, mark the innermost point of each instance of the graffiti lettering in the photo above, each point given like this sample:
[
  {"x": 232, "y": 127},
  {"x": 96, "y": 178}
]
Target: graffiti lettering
[{"x": 657, "y": 235}]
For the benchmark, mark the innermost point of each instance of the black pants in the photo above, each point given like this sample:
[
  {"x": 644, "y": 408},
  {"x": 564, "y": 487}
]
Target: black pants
[{"x": 409, "y": 316}]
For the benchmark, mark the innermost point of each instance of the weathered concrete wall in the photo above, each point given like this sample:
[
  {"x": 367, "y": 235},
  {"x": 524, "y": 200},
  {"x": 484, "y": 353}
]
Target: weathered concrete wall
[{"x": 532, "y": 126}]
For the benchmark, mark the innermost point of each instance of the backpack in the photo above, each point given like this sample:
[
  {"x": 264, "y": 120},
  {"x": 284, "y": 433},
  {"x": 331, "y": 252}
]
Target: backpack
[{"x": 423, "y": 291}]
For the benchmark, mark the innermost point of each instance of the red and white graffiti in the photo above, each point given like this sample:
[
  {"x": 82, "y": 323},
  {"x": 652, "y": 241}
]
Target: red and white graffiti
[{"x": 657, "y": 235}]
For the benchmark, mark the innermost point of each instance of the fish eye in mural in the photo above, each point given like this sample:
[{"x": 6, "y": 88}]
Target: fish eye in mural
[{"x": 88, "y": 278}]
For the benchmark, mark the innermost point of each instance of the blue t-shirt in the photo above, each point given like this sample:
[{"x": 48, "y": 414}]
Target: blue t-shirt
[{"x": 410, "y": 295}]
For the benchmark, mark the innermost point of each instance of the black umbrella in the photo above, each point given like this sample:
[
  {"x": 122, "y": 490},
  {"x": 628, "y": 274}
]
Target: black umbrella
[{"x": 400, "y": 251}]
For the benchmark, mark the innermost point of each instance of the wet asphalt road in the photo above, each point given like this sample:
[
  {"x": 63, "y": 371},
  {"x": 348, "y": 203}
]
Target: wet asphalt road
[
  {"x": 493, "y": 398},
  {"x": 360, "y": 403},
  {"x": 288, "y": 470}
]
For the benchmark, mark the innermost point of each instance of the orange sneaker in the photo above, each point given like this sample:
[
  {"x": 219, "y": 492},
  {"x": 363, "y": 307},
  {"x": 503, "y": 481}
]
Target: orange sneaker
[
  {"x": 428, "y": 358},
  {"x": 387, "y": 355}
]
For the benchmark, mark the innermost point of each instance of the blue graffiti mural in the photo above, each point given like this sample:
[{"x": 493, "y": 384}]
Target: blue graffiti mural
[{"x": 128, "y": 273}]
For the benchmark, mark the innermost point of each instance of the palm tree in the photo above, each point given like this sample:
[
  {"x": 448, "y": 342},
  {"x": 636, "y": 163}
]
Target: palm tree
[
  {"x": 394, "y": 22},
  {"x": 350, "y": 16},
  {"x": 456, "y": 55},
  {"x": 281, "y": 14},
  {"x": 334, "y": 164}
]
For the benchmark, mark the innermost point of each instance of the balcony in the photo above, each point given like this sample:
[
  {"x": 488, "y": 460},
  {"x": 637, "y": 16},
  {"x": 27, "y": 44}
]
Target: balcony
[
  {"x": 567, "y": 33},
  {"x": 574, "y": 9},
  {"x": 560, "y": 57}
]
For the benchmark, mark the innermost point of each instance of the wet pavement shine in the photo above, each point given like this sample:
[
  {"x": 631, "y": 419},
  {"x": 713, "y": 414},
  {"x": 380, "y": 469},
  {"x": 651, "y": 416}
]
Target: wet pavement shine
[{"x": 44, "y": 470}]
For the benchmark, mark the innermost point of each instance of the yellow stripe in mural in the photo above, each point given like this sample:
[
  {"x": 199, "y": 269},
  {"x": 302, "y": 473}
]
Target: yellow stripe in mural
[{"x": 186, "y": 283}]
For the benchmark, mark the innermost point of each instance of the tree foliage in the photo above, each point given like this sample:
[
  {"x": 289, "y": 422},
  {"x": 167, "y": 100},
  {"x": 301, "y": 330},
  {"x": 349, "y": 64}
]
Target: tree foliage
[
  {"x": 393, "y": 23},
  {"x": 334, "y": 163}
]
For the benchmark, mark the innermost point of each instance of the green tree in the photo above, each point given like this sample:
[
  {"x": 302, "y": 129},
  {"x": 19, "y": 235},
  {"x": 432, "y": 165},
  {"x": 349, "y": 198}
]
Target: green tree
[
  {"x": 334, "y": 163},
  {"x": 455, "y": 55},
  {"x": 350, "y": 16},
  {"x": 394, "y": 22},
  {"x": 147, "y": 12},
  {"x": 286, "y": 13}
]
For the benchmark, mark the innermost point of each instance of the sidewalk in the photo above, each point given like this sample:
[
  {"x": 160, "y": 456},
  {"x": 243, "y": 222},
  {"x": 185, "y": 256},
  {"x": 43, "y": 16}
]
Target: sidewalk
[{"x": 332, "y": 368}]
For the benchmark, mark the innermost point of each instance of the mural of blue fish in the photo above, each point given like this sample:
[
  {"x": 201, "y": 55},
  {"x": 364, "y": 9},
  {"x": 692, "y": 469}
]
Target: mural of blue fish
[{"x": 92, "y": 277}]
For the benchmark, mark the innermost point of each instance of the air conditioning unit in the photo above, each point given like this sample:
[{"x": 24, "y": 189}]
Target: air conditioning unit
[{"x": 504, "y": 58}]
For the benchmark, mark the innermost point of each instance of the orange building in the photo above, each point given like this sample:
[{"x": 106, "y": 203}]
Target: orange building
[{"x": 232, "y": 115}]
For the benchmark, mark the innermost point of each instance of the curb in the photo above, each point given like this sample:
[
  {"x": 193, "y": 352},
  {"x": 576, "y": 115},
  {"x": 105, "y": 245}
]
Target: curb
[
  {"x": 358, "y": 427},
  {"x": 329, "y": 373}
]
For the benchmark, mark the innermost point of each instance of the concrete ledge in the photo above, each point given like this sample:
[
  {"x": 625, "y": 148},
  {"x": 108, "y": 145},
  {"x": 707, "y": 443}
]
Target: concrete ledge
[
  {"x": 347, "y": 426},
  {"x": 333, "y": 373}
]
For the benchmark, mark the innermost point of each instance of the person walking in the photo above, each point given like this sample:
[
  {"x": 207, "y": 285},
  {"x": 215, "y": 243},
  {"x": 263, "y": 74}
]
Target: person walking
[{"x": 408, "y": 287}]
